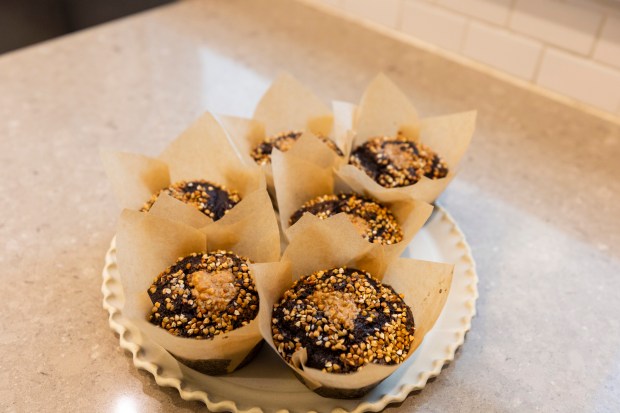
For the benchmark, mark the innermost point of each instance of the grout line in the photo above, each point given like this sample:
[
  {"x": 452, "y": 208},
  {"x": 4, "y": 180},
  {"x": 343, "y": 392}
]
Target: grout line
[
  {"x": 465, "y": 36},
  {"x": 511, "y": 10},
  {"x": 509, "y": 29},
  {"x": 526, "y": 36},
  {"x": 470, "y": 63},
  {"x": 399, "y": 16},
  {"x": 539, "y": 63},
  {"x": 505, "y": 29},
  {"x": 597, "y": 36}
]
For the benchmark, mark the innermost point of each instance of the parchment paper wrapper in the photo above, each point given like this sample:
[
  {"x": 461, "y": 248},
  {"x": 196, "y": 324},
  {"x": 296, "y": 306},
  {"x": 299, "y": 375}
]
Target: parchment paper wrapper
[
  {"x": 288, "y": 105},
  {"x": 386, "y": 111},
  {"x": 425, "y": 285},
  {"x": 148, "y": 244},
  {"x": 298, "y": 181},
  {"x": 203, "y": 151}
]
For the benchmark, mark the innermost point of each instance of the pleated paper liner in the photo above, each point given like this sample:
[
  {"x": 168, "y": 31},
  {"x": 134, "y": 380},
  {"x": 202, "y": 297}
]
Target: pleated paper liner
[
  {"x": 425, "y": 286},
  {"x": 203, "y": 151},
  {"x": 289, "y": 106},
  {"x": 147, "y": 244},
  {"x": 386, "y": 111},
  {"x": 297, "y": 181}
]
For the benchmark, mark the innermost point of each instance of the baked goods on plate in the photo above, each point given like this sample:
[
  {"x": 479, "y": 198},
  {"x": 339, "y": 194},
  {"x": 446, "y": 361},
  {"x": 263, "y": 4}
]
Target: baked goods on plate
[{"x": 375, "y": 222}]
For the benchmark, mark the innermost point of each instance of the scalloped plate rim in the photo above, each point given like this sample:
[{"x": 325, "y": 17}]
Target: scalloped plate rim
[{"x": 403, "y": 391}]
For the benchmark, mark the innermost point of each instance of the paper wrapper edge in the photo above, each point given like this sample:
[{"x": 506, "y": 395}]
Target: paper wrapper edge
[
  {"x": 134, "y": 178},
  {"x": 425, "y": 286},
  {"x": 144, "y": 250}
]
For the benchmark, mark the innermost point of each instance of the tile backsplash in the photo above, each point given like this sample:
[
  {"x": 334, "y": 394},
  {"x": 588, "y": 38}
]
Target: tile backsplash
[{"x": 571, "y": 47}]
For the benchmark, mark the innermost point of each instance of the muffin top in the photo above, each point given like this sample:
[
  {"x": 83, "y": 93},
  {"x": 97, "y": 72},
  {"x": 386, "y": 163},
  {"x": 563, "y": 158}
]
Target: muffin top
[
  {"x": 374, "y": 221},
  {"x": 203, "y": 295},
  {"x": 212, "y": 200},
  {"x": 395, "y": 161},
  {"x": 345, "y": 319},
  {"x": 283, "y": 142}
]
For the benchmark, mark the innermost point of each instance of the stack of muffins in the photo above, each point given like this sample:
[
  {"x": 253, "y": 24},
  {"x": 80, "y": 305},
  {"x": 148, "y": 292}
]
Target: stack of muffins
[{"x": 288, "y": 228}]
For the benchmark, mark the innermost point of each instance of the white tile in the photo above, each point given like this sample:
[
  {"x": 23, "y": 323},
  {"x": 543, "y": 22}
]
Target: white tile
[
  {"x": 607, "y": 48},
  {"x": 607, "y": 7},
  {"x": 433, "y": 24},
  {"x": 384, "y": 12},
  {"x": 581, "y": 79},
  {"x": 565, "y": 25},
  {"x": 494, "y": 11},
  {"x": 502, "y": 49}
]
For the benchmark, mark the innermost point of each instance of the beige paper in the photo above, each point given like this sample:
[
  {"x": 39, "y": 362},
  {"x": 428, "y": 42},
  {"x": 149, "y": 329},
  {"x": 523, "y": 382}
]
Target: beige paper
[
  {"x": 425, "y": 189},
  {"x": 316, "y": 244},
  {"x": 297, "y": 181},
  {"x": 322, "y": 125},
  {"x": 146, "y": 246},
  {"x": 171, "y": 208},
  {"x": 134, "y": 178},
  {"x": 245, "y": 135},
  {"x": 194, "y": 155},
  {"x": 344, "y": 120},
  {"x": 425, "y": 286},
  {"x": 289, "y": 105},
  {"x": 427, "y": 293},
  {"x": 449, "y": 135},
  {"x": 250, "y": 229},
  {"x": 386, "y": 111},
  {"x": 313, "y": 149},
  {"x": 383, "y": 111},
  {"x": 201, "y": 150}
]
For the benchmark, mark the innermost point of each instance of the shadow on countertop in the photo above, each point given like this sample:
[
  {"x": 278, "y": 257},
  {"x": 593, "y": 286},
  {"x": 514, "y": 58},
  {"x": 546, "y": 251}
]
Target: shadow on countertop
[{"x": 23, "y": 23}]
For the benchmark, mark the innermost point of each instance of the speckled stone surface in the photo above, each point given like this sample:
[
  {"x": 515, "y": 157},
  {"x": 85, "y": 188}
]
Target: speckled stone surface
[{"x": 538, "y": 199}]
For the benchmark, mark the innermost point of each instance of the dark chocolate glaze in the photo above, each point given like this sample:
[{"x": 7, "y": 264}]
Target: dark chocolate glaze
[
  {"x": 218, "y": 200},
  {"x": 318, "y": 356},
  {"x": 365, "y": 208},
  {"x": 262, "y": 152},
  {"x": 212, "y": 200},
  {"x": 188, "y": 307},
  {"x": 373, "y": 160}
]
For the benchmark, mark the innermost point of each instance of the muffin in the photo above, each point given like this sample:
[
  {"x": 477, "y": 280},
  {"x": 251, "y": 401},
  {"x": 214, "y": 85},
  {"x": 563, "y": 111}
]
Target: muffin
[
  {"x": 374, "y": 221},
  {"x": 396, "y": 162},
  {"x": 283, "y": 142},
  {"x": 204, "y": 295},
  {"x": 345, "y": 319},
  {"x": 212, "y": 200}
]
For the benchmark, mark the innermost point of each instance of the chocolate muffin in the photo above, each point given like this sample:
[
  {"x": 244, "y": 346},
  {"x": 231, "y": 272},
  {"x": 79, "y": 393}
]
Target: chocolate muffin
[
  {"x": 212, "y": 200},
  {"x": 345, "y": 319},
  {"x": 374, "y": 221},
  {"x": 284, "y": 141},
  {"x": 203, "y": 295},
  {"x": 395, "y": 161}
]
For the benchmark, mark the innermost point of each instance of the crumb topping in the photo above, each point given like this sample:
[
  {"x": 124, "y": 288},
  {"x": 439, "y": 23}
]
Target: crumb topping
[
  {"x": 374, "y": 221},
  {"x": 345, "y": 319},
  {"x": 338, "y": 306},
  {"x": 212, "y": 200},
  {"x": 213, "y": 291},
  {"x": 396, "y": 161},
  {"x": 203, "y": 295},
  {"x": 283, "y": 142}
]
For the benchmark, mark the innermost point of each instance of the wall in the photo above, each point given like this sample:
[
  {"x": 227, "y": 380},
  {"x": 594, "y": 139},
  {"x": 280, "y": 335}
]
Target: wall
[{"x": 571, "y": 47}]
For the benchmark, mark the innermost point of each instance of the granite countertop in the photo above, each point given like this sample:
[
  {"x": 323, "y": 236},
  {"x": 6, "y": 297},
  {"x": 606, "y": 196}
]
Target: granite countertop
[{"x": 538, "y": 198}]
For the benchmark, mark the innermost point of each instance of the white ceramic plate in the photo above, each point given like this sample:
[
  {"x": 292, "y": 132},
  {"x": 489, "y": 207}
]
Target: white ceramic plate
[{"x": 268, "y": 385}]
